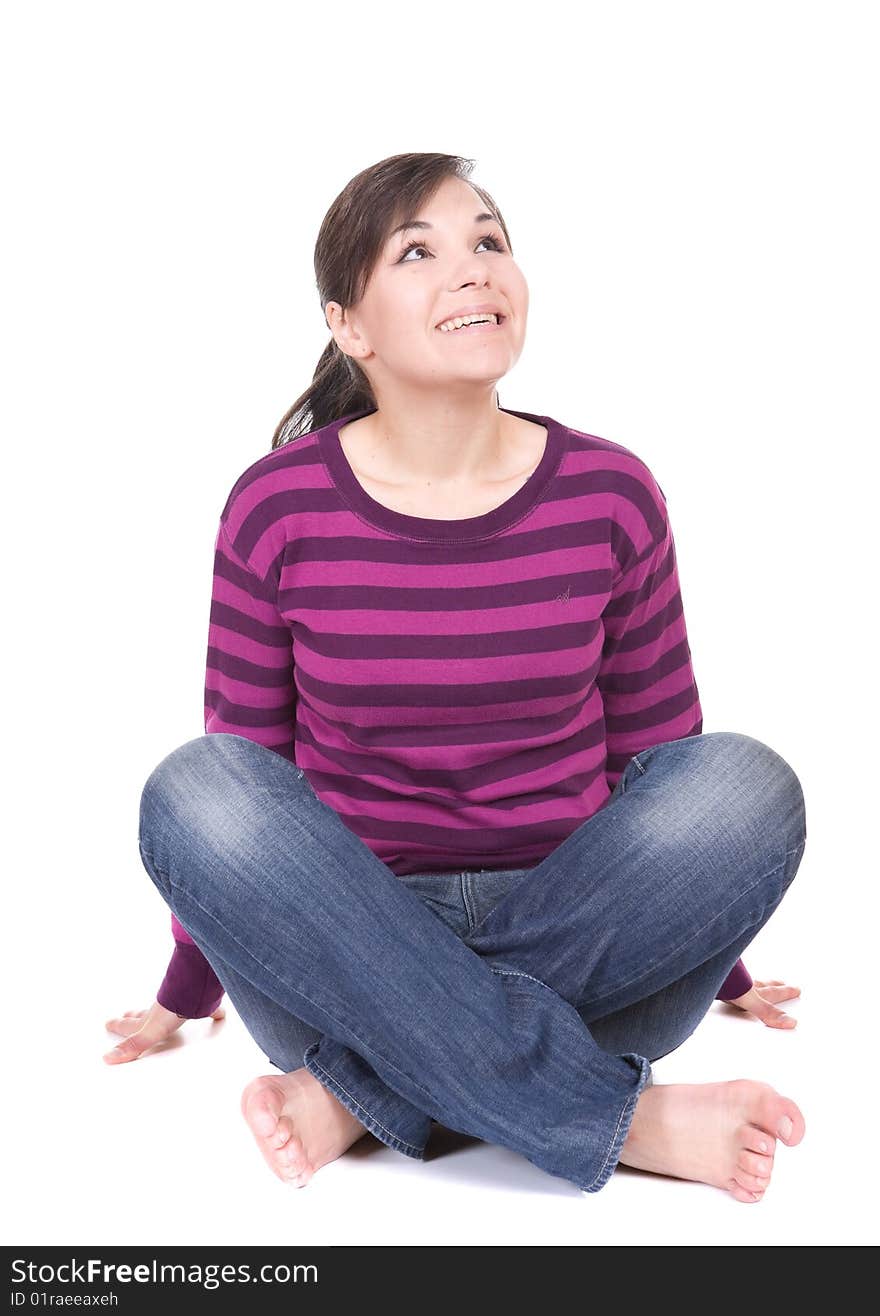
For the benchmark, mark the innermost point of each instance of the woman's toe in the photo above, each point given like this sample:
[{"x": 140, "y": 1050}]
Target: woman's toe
[
  {"x": 781, "y": 1117},
  {"x": 283, "y": 1132},
  {"x": 754, "y": 1163},
  {"x": 753, "y": 1183},
  {"x": 261, "y": 1106},
  {"x": 744, "y": 1194},
  {"x": 291, "y": 1159}
]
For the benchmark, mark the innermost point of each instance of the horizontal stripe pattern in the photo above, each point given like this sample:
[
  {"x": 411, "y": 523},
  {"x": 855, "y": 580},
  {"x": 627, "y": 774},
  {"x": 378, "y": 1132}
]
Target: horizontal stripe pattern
[{"x": 461, "y": 704}]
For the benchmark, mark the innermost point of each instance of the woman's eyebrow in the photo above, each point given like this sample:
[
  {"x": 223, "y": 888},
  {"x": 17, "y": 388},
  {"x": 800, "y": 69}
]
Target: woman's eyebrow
[{"x": 420, "y": 223}]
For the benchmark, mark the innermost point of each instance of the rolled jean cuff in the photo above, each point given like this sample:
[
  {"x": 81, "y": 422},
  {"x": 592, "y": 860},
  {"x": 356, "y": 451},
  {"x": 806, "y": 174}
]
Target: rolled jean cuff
[
  {"x": 359, "y": 1089},
  {"x": 624, "y": 1120}
]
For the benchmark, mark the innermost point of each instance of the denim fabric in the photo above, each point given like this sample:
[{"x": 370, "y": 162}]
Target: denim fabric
[{"x": 522, "y": 1007}]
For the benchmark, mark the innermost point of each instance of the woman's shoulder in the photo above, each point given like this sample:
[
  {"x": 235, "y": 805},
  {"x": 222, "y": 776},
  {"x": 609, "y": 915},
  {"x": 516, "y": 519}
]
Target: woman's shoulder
[
  {"x": 285, "y": 468},
  {"x": 627, "y": 470},
  {"x": 587, "y": 441}
]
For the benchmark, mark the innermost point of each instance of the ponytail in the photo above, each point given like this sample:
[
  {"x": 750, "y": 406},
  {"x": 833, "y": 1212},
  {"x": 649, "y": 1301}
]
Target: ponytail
[{"x": 338, "y": 386}]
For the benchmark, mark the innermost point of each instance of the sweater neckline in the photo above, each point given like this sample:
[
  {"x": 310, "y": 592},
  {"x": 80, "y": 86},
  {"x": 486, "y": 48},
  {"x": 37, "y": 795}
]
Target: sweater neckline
[{"x": 426, "y": 528}]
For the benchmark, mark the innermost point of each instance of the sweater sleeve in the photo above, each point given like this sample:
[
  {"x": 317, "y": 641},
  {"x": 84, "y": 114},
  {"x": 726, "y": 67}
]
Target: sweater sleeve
[
  {"x": 190, "y": 986},
  {"x": 737, "y": 983},
  {"x": 249, "y": 691},
  {"x": 646, "y": 676}
]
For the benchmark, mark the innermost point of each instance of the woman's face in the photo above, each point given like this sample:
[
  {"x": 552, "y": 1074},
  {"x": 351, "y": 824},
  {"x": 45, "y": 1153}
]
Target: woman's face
[{"x": 431, "y": 273}]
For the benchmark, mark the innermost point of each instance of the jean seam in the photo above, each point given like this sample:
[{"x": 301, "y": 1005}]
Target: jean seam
[
  {"x": 469, "y": 908},
  {"x": 275, "y": 978},
  {"x": 614, "y": 1136},
  {"x": 595, "y": 1000},
  {"x": 399, "y": 1144},
  {"x": 518, "y": 973}
]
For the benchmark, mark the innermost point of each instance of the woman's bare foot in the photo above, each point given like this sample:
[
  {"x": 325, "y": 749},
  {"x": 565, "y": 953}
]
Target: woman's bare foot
[
  {"x": 299, "y": 1126},
  {"x": 722, "y": 1134}
]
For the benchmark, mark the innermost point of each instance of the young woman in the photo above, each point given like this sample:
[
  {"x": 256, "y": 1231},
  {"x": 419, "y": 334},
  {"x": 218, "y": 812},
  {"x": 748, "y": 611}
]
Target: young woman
[{"x": 454, "y": 842}]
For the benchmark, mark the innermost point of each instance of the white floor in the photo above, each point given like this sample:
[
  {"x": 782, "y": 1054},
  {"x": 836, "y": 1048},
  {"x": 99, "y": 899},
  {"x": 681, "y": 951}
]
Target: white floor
[{"x": 156, "y": 1151}]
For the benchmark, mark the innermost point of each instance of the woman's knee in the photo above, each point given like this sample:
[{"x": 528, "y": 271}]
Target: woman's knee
[
  {"x": 776, "y": 796},
  {"x": 184, "y": 787},
  {"x": 737, "y": 807}
]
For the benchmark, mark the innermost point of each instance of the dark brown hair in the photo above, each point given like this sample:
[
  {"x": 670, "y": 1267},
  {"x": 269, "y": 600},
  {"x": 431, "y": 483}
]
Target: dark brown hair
[{"x": 353, "y": 233}]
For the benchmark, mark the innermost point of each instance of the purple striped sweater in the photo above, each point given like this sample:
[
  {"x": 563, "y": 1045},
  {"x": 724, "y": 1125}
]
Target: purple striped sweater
[{"x": 463, "y": 693}]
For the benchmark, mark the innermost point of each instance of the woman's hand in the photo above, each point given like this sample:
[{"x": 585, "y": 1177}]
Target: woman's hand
[
  {"x": 143, "y": 1029},
  {"x": 760, "y": 1001}
]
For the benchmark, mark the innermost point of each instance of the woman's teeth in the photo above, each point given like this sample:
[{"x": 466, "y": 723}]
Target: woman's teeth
[{"x": 449, "y": 326}]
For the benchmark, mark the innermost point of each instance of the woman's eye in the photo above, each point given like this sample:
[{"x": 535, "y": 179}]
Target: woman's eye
[{"x": 497, "y": 244}]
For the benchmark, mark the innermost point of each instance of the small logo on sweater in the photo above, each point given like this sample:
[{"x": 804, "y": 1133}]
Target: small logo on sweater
[{"x": 565, "y": 596}]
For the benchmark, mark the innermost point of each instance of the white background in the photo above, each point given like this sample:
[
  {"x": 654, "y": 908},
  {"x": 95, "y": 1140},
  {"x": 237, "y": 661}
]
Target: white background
[{"x": 690, "y": 189}]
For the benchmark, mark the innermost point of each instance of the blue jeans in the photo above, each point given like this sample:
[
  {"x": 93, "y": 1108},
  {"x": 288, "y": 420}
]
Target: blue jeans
[{"x": 522, "y": 1007}]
